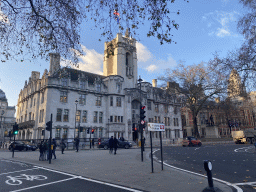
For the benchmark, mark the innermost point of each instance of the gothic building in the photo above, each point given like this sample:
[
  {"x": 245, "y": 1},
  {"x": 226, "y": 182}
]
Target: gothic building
[
  {"x": 7, "y": 118},
  {"x": 108, "y": 103}
]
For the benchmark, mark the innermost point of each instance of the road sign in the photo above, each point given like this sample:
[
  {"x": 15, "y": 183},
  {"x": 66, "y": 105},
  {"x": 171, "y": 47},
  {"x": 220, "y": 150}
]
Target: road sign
[
  {"x": 142, "y": 122},
  {"x": 156, "y": 127}
]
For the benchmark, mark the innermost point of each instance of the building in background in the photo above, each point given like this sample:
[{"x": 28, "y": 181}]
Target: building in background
[
  {"x": 218, "y": 118},
  {"x": 109, "y": 103},
  {"x": 7, "y": 118}
]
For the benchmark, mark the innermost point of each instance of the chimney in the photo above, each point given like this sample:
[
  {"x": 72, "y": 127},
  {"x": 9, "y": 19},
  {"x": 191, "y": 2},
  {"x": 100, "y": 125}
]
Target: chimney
[
  {"x": 154, "y": 82},
  {"x": 54, "y": 63}
]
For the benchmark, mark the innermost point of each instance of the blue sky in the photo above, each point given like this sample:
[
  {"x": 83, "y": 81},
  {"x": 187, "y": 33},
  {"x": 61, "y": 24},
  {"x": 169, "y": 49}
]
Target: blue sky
[{"x": 206, "y": 27}]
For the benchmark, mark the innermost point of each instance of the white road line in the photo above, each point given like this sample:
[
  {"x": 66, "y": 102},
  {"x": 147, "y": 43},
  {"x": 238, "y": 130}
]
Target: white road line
[
  {"x": 219, "y": 180},
  {"x": 18, "y": 171},
  {"x": 44, "y": 184},
  {"x": 236, "y": 150},
  {"x": 56, "y": 171},
  {"x": 92, "y": 180},
  {"x": 248, "y": 183},
  {"x": 109, "y": 184}
]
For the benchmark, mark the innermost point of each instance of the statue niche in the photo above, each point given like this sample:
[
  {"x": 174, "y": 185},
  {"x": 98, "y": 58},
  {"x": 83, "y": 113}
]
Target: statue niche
[{"x": 129, "y": 65}]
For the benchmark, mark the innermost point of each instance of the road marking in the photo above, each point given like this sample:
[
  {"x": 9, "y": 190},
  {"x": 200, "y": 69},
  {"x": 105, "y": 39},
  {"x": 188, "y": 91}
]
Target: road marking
[
  {"x": 248, "y": 183},
  {"x": 18, "y": 171},
  {"x": 244, "y": 148},
  {"x": 219, "y": 180},
  {"x": 17, "y": 179},
  {"x": 109, "y": 184},
  {"x": 92, "y": 180},
  {"x": 44, "y": 184},
  {"x": 197, "y": 148}
]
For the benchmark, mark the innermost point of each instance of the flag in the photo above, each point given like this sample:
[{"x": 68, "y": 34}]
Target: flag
[{"x": 116, "y": 16}]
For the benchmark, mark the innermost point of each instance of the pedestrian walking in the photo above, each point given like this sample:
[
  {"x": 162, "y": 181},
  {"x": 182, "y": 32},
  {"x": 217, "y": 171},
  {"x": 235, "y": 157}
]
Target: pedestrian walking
[
  {"x": 115, "y": 144},
  {"x": 45, "y": 149},
  {"x": 54, "y": 148},
  {"x": 93, "y": 142},
  {"x": 62, "y": 146},
  {"x": 111, "y": 143},
  {"x": 77, "y": 143},
  {"x": 41, "y": 150}
]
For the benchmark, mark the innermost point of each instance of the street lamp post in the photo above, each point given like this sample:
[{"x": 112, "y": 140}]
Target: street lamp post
[
  {"x": 2, "y": 131},
  {"x": 76, "y": 102},
  {"x": 108, "y": 128}
]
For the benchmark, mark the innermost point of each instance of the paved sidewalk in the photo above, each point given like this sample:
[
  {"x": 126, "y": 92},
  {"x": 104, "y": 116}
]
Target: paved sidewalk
[{"x": 124, "y": 169}]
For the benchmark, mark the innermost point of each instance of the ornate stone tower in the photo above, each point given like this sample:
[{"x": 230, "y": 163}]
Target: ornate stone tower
[
  {"x": 120, "y": 58},
  {"x": 235, "y": 87}
]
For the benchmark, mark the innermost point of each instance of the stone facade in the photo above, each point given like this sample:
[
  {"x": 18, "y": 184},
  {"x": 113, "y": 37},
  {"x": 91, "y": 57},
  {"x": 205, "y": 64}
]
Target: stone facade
[
  {"x": 7, "y": 118},
  {"x": 108, "y": 103}
]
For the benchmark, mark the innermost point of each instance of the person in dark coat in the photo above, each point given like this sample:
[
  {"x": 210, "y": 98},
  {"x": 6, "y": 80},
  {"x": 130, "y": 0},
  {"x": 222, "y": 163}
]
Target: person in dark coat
[
  {"x": 41, "y": 150},
  {"x": 93, "y": 142},
  {"x": 62, "y": 146},
  {"x": 77, "y": 144},
  {"x": 111, "y": 143},
  {"x": 115, "y": 143},
  {"x": 54, "y": 148}
]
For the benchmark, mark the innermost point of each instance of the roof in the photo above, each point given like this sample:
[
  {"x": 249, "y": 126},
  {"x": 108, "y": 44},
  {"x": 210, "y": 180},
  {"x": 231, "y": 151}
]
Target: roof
[{"x": 74, "y": 73}]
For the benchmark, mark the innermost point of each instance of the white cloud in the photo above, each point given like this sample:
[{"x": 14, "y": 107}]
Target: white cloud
[
  {"x": 91, "y": 61},
  {"x": 142, "y": 52},
  {"x": 148, "y": 61},
  {"x": 152, "y": 68},
  {"x": 222, "y": 32},
  {"x": 224, "y": 21}
]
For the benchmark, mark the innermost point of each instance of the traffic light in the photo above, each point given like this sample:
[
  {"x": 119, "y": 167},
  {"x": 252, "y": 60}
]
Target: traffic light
[
  {"x": 142, "y": 113},
  {"x": 88, "y": 131},
  {"x": 81, "y": 129},
  {"x": 49, "y": 126},
  {"x": 15, "y": 129},
  {"x": 92, "y": 131}
]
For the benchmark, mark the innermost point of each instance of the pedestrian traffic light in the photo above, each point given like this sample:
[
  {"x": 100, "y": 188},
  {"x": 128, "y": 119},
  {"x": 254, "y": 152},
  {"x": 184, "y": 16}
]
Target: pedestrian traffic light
[
  {"x": 15, "y": 129},
  {"x": 88, "y": 131},
  {"x": 92, "y": 131},
  {"x": 49, "y": 126},
  {"x": 142, "y": 112}
]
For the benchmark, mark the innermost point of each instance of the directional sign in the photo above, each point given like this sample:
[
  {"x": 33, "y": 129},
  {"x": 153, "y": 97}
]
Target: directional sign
[{"x": 156, "y": 127}]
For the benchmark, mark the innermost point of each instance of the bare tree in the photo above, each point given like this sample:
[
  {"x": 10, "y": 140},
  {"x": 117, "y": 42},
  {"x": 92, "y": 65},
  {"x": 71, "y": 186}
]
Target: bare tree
[
  {"x": 197, "y": 83},
  {"x": 42, "y": 26},
  {"x": 243, "y": 60}
]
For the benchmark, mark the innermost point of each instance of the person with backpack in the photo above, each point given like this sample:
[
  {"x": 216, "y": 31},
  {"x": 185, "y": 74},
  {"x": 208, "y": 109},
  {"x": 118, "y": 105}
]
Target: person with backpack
[
  {"x": 54, "y": 148},
  {"x": 62, "y": 146}
]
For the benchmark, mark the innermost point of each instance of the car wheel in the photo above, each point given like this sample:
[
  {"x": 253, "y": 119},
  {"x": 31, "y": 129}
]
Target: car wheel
[
  {"x": 20, "y": 149},
  {"x": 199, "y": 144},
  {"x": 183, "y": 145},
  {"x": 26, "y": 149},
  {"x": 105, "y": 147},
  {"x": 190, "y": 144},
  {"x": 33, "y": 149},
  {"x": 248, "y": 140},
  {"x": 253, "y": 140},
  {"x": 126, "y": 147}
]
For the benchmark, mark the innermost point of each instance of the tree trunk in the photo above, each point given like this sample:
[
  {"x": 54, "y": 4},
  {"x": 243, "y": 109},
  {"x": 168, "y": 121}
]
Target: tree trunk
[{"x": 195, "y": 127}]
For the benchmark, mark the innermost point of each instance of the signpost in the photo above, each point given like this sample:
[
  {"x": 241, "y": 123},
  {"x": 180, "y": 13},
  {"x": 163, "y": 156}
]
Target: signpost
[{"x": 156, "y": 127}]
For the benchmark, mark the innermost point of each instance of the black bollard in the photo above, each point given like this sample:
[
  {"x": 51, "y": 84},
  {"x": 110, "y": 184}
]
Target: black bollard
[{"x": 208, "y": 169}]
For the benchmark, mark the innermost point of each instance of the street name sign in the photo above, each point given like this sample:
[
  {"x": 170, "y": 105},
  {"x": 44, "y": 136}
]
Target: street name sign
[{"x": 156, "y": 127}]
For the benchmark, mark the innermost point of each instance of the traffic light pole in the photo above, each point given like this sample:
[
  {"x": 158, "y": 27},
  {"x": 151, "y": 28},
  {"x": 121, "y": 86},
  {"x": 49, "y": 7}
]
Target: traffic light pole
[
  {"x": 50, "y": 143},
  {"x": 141, "y": 129},
  {"x": 13, "y": 146}
]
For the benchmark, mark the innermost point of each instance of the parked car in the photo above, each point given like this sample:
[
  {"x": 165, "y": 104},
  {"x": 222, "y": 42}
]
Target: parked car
[
  {"x": 17, "y": 145},
  {"x": 121, "y": 144},
  {"x": 191, "y": 141},
  {"x": 29, "y": 146}
]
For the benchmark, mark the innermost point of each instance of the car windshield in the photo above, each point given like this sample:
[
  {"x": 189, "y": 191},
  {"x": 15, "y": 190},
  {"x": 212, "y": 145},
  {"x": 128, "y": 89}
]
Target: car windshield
[{"x": 19, "y": 142}]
